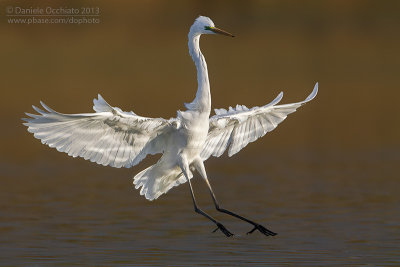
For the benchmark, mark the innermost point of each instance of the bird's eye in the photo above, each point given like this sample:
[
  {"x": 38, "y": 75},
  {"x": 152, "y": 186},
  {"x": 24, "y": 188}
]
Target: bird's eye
[{"x": 207, "y": 28}]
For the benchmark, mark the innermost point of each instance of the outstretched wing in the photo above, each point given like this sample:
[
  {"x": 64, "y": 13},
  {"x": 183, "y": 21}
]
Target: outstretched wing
[
  {"x": 236, "y": 127},
  {"x": 108, "y": 137}
]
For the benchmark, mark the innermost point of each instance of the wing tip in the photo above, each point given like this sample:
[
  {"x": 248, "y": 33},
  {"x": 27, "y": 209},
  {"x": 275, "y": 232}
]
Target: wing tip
[
  {"x": 47, "y": 107},
  {"x": 38, "y": 110},
  {"x": 26, "y": 120},
  {"x": 277, "y": 99},
  {"x": 100, "y": 105},
  {"x": 313, "y": 93},
  {"x": 99, "y": 98}
]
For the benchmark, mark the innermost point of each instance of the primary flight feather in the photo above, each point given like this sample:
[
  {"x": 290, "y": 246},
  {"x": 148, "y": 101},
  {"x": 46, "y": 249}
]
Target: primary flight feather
[{"x": 122, "y": 139}]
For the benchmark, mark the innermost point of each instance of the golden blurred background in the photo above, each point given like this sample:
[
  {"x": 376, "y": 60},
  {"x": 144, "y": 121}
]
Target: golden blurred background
[
  {"x": 325, "y": 179},
  {"x": 137, "y": 58}
]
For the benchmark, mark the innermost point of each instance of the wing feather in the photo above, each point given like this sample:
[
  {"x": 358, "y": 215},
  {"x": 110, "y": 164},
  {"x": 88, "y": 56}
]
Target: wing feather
[
  {"x": 236, "y": 127},
  {"x": 108, "y": 137}
]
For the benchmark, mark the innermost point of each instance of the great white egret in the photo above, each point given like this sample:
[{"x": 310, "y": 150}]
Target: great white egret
[{"x": 122, "y": 139}]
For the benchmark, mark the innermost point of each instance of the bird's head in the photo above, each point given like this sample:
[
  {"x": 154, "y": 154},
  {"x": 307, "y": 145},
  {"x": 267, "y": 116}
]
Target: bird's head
[{"x": 204, "y": 25}]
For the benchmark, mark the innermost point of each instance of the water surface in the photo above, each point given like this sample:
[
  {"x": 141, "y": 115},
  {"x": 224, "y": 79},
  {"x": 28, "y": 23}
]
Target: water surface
[
  {"x": 327, "y": 208},
  {"x": 326, "y": 179}
]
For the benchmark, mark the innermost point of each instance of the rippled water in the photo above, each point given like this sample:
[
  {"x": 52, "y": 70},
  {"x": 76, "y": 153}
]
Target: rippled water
[
  {"x": 328, "y": 207},
  {"x": 327, "y": 180}
]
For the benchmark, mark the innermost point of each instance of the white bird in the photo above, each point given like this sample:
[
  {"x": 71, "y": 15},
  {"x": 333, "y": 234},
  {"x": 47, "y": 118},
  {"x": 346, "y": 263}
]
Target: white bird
[{"x": 122, "y": 139}]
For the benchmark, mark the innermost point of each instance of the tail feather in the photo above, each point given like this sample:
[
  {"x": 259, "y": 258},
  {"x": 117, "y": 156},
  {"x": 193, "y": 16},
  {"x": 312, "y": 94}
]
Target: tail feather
[{"x": 157, "y": 180}]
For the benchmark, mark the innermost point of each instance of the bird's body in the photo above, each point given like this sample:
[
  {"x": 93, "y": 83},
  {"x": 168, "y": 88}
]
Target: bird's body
[{"x": 122, "y": 139}]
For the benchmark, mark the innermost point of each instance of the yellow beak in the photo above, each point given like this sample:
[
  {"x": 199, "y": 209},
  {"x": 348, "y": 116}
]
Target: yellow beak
[{"x": 219, "y": 31}]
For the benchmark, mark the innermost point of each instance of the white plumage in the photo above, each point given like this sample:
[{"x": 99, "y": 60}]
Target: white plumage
[
  {"x": 108, "y": 137},
  {"x": 236, "y": 127},
  {"x": 122, "y": 139}
]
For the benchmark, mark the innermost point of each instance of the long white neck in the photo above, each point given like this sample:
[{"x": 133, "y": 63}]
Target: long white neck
[{"x": 202, "y": 102}]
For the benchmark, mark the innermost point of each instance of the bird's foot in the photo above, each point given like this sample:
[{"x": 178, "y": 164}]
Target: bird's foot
[
  {"x": 223, "y": 230},
  {"x": 262, "y": 229}
]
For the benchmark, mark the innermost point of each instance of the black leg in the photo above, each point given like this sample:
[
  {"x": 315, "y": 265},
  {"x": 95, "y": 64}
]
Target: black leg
[
  {"x": 257, "y": 226},
  {"x": 200, "y": 168},
  {"x": 196, "y": 209}
]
